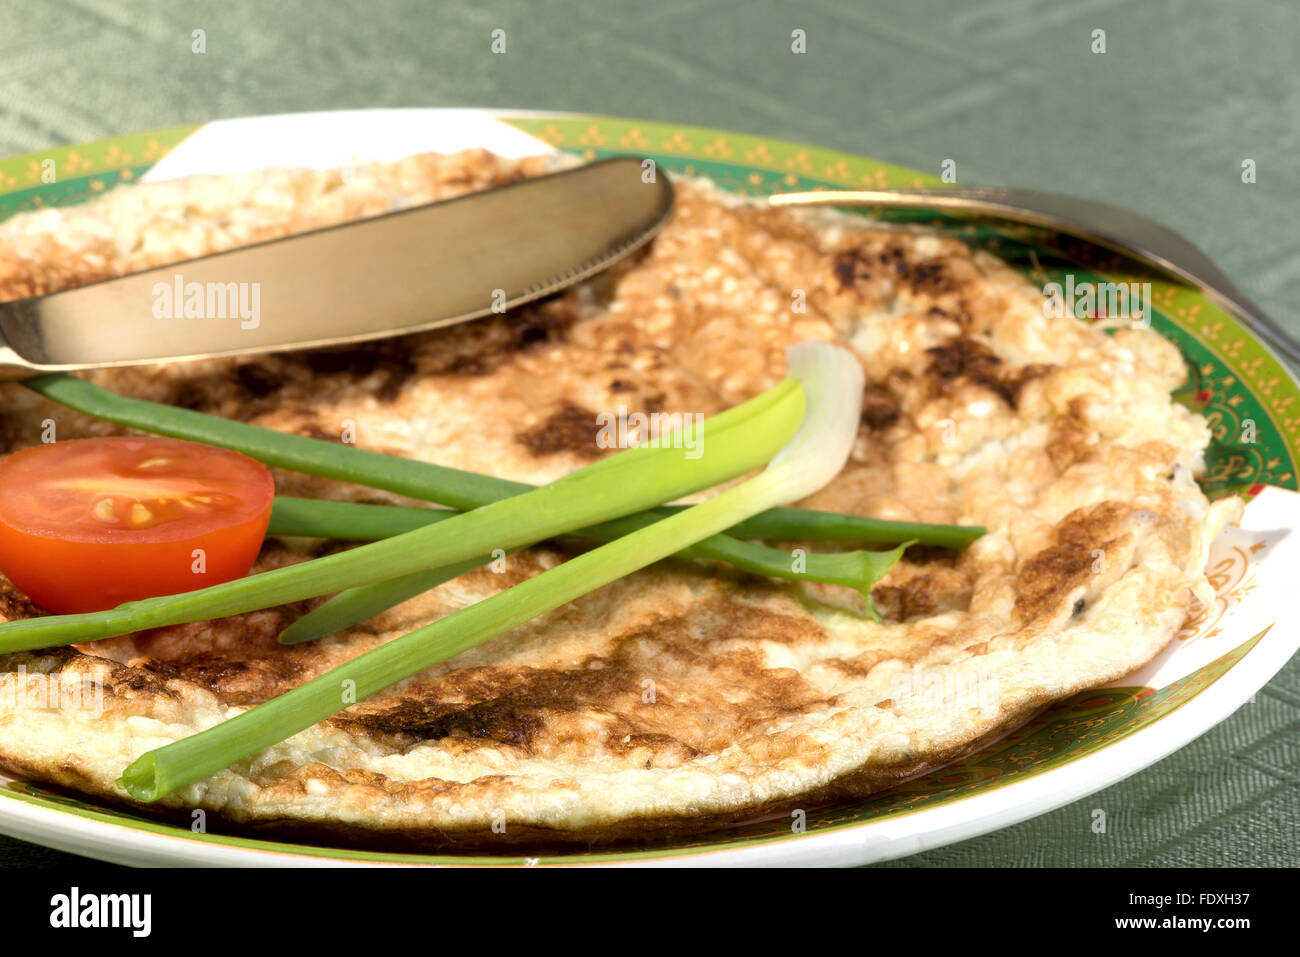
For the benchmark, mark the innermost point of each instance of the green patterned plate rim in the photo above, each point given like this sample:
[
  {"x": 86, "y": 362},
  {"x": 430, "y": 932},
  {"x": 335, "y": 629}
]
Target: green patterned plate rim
[{"x": 1234, "y": 380}]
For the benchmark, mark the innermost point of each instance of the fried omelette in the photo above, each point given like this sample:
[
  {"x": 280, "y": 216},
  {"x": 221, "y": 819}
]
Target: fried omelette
[{"x": 687, "y": 695}]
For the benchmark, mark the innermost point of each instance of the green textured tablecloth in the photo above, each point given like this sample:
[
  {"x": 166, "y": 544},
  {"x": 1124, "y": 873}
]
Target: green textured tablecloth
[{"x": 1010, "y": 90}]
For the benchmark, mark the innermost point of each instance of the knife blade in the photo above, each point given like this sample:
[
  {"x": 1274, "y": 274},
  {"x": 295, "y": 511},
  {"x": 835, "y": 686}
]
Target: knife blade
[{"x": 414, "y": 269}]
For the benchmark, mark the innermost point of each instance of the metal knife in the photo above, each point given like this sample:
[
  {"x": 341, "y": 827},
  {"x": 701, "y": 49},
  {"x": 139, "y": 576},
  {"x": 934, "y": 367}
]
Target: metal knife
[{"x": 418, "y": 268}]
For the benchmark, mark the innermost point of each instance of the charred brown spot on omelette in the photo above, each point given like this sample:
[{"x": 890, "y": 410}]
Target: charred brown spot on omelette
[
  {"x": 970, "y": 360},
  {"x": 1073, "y": 436},
  {"x": 849, "y": 268},
  {"x": 919, "y": 590},
  {"x": 1093, "y": 545},
  {"x": 569, "y": 428},
  {"x": 879, "y": 408}
]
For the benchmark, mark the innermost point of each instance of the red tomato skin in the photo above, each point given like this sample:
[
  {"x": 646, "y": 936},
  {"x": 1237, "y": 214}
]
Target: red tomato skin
[
  {"x": 69, "y": 565},
  {"x": 56, "y": 575}
]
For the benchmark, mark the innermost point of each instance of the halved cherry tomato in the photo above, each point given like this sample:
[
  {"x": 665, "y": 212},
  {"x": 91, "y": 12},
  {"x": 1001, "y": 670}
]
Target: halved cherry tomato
[{"x": 86, "y": 524}]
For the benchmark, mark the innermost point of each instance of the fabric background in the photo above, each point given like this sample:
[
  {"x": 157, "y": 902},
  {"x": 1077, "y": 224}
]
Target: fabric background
[{"x": 1008, "y": 89}]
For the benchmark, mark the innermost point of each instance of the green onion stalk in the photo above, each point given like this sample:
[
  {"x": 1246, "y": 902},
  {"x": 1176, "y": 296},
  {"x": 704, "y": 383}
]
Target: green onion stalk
[{"x": 357, "y": 521}]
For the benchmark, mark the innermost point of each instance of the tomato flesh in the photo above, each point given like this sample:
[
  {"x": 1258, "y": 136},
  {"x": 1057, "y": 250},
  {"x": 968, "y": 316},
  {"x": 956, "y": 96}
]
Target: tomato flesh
[{"x": 86, "y": 524}]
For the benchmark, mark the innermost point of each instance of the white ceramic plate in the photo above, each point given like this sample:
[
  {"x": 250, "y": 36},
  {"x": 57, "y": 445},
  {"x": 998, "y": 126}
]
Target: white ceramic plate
[{"x": 1079, "y": 746}]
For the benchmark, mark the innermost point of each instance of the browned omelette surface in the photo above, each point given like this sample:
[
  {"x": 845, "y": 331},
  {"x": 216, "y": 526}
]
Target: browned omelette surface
[{"x": 682, "y": 696}]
